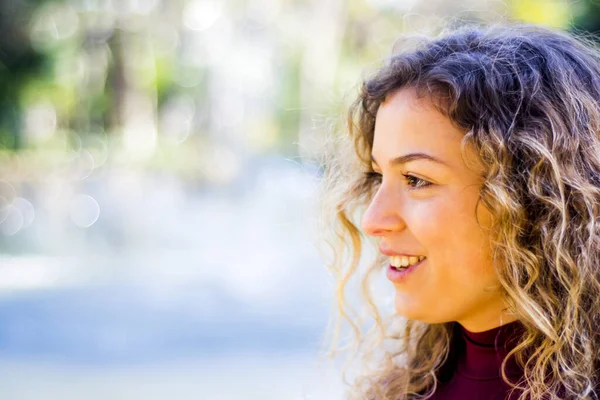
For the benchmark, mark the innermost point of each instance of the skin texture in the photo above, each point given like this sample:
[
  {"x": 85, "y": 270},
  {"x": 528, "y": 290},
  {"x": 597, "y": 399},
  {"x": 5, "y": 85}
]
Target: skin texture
[{"x": 457, "y": 281}]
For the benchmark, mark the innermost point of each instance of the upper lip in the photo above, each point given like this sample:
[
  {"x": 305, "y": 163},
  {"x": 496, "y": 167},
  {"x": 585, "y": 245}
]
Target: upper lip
[{"x": 391, "y": 253}]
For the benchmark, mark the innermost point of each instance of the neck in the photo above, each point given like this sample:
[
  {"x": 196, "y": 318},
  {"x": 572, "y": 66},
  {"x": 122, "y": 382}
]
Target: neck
[{"x": 487, "y": 323}]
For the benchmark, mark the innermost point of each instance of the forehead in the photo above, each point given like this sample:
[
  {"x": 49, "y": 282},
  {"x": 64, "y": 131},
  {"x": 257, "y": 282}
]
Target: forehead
[{"x": 408, "y": 124}]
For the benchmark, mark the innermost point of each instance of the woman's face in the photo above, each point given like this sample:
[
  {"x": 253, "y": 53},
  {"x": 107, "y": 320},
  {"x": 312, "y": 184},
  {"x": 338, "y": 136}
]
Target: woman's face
[{"x": 427, "y": 208}]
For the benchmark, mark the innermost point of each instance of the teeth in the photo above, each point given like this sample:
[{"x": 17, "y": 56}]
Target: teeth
[{"x": 403, "y": 261}]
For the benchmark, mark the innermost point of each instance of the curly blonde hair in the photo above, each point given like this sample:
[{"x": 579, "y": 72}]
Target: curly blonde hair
[{"x": 528, "y": 100}]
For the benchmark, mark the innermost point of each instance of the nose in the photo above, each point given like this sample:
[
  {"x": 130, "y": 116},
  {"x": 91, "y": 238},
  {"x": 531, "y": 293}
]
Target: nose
[{"x": 383, "y": 215}]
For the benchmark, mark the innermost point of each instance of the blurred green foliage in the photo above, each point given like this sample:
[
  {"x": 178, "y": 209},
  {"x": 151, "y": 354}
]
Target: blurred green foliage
[
  {"x": 20, "y": 64},
  {"x": 587, "y": 18},
  {"x": 76, "y": 69}
]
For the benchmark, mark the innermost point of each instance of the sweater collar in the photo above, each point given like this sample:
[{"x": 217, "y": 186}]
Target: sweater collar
[{"x": 484, "y": 351}]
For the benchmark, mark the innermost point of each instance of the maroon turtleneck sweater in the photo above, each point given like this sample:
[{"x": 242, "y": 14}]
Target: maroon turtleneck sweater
[{"x": 473, "y": 369}]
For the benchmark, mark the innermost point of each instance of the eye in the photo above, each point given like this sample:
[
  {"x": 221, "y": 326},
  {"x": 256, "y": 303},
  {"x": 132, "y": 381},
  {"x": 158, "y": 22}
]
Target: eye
[
  {"x": 413, "y": 182},
  {"x": 416, "y": 183}
]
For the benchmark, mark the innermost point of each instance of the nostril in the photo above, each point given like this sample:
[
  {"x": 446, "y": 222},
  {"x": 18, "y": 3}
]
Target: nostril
[{"x": 368, "y": 225}]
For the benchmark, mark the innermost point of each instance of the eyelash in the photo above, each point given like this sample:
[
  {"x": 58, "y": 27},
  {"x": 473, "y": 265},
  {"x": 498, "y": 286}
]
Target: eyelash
[{"x": 373, "y": 176}]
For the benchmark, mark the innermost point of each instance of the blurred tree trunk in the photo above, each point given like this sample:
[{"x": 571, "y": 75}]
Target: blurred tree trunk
[
  {"x": 116, "y": 82},
  {"x": 19, "y": 63}
]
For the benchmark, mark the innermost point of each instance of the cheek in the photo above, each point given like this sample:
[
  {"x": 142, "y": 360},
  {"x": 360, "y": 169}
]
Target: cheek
[{"x": 448, "y": 231}]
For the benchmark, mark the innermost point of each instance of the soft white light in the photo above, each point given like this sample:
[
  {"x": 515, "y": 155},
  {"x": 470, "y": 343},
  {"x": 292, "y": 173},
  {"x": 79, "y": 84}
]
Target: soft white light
[
  {"x": 96, "y": 145},
  {"x": 176, "y": 119},
  {"x": 135, "y": 6},
  {"x": 84, "y": 210},
  {"x": 26, "y": 209},
  {"x": 82, "y": 165},
  {"x": 199, "y": 15},
  {"x": 7, "y": 191},
  {"x": 52, "y": 23},
  {"x": 4, "y": 208},
  {"x": 28, "y": 272},
  {"x": 404, "y": 5},
  {"x": 40, "y": 121},
  {"x": 188, "y": 76},
  {"x": 139, "y": 137},
  {"x": 223, "y": 165},
  {"x": 229, "y": 109},
  {"x": 13, "y": 221}
]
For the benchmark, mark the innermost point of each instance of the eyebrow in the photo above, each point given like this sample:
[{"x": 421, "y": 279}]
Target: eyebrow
[{"x": 411, "y": 157}]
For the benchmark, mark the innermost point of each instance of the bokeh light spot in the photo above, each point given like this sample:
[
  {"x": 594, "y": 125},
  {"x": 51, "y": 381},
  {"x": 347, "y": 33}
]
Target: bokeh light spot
[
  {"x": 85, "y": 210},
  {"x": 201, "y": 14},
  {"x": 13, "y": 221}
]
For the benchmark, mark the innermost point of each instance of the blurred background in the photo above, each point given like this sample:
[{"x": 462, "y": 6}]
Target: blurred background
[{"x": 157, "y": 186}]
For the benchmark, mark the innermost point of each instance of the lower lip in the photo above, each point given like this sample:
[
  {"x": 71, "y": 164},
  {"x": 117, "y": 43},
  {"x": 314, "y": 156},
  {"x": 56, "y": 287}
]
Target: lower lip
[{"x": 399, "y": 276}]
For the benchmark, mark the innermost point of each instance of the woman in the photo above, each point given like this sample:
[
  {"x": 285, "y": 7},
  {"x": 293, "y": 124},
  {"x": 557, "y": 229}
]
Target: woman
[{"x": 474, "y": 167}]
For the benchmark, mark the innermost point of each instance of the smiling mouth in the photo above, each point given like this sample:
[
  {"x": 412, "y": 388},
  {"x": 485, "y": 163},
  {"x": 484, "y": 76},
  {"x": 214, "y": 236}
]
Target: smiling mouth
[{"x": 404, "y": 262}]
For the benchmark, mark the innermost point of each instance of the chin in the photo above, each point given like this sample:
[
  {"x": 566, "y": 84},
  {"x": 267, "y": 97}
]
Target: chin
[
  {"x": 420, "y": 315},
  {"x": 411, "y": 314}
]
